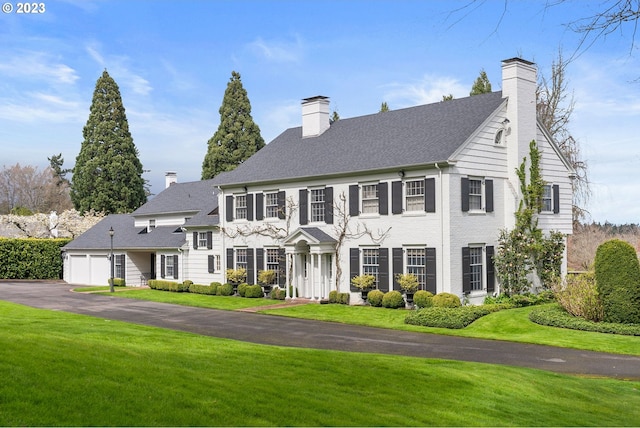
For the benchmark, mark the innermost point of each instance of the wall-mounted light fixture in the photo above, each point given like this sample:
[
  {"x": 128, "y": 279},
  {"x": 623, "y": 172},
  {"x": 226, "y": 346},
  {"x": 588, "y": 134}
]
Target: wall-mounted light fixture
[{"x": 401, "y": 173}]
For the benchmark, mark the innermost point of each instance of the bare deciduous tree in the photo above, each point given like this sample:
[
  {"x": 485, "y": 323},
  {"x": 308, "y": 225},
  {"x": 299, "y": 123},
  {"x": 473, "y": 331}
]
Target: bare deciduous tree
[{"x": 39, "y": 191}]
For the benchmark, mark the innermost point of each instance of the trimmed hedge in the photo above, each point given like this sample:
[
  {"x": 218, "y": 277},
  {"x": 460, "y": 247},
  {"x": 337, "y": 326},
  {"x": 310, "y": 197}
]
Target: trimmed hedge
[
  {"x": 242, "y": 288},
  {"x": 393, "y": 300},
  {"x": 31, "y": 258},
  {"x": 374, "y": 297},
  {"x": 162, "y": 285},
  {"x": 446, "y": 300},
  {"x": 556, "y": 316},
  {"x": 423, "y": 299},
  {"x": 118, "y": 282},
  {"x": 225, "y": 290},
  {"x": 278, "y": 293},
  {"x": 342, "y": 298},
  {"x": 203, "y": 289},
  {"x": 446, "y": 317},
  {"x": 253, "y": 291}
]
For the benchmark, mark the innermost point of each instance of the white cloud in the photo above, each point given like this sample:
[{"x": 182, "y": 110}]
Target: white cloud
[
  {"x": 428, "y": 89},
  {"x": 278, "y": 50},
  {"x": 38, "y": 65},
  {"x": 118, "y": 68}
]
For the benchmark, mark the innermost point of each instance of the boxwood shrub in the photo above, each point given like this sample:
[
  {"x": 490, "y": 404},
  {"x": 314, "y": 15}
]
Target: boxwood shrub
[
  {"x": 374, "y": 297},
  {"x": 253, "y": 291},
  {"x": 278, "y": 293},
  {"x": 344, "y": 298},
  {"x": 225, "y": 290},
  {"x": 556, "y": 316},
  {"x": 443, "y": 317},
  {"x": 393, "y": 300},
  {"x": 242, "y": 288},
  {"x": 423, "y": 299},
  {"x": 446, "y": 300},
  {"x": 333, "y": 296},
  {"x": 202, "y": 289},
  {"x": 118, "y": 282}
]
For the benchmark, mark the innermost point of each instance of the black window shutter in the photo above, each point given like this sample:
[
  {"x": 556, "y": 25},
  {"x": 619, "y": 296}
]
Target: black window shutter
[
  {"x": 281, "y": 205},
  {"x": 328, "y": 205},
  {"x": 250, "y": 206},
  {"x": 259, "y": 206},
  {"x": 175, "y": 266},
  {"x": 251, "y": 268},
  {"x": 229, "y": 207},
  {"x": 304, "y": 206},
  {"x": 488, "y": 195},
  {"x": 464, "y": 193},
  {"x": 396, "y": 197},
  {"x": 490, "y": 270},
  {"x": 354, "y": 201},
  {"x": 556, "y": 198},
  {"x": 383, "y": 269},
  {"x": 466, "y": 270},
  {"x": 430, "y": 195},
  {"x": 230, "y": 263},
  {"x": 210, "y": 264},
  {"x": 209, "y": 240},
  {"x": 397, "y": 262},
  {"x": 259, "y": 260},
  {"x": 354, "y": 265},
  {"x": 431, "y": 270},
  {"x": 122, "y": 266},
  {"x": 383, "y": 198},
  {"x": 282, "y": 274},
  {"x": 162, "y": 265},
  {"x": 195, "y": 240}
]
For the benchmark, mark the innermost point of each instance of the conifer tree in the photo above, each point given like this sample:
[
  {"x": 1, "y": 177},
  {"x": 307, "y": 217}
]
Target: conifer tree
[
  {"x": 107, "y": 176},
  {"x": 481, "y": 85},
  {"x": 238, "y": 136}
]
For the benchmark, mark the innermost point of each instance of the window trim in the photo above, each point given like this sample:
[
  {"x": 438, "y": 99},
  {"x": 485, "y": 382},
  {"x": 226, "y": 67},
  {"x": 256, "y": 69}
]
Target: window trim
[{"x": 486, "y": 195}]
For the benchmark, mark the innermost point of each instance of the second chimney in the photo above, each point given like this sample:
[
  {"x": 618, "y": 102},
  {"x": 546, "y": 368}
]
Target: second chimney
[
  {"x": 315, "y": 116},
  {"x": 170, "y": 177}
]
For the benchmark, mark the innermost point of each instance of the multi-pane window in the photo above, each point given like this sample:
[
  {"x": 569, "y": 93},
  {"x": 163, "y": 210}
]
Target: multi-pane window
[
  {"x": 415, "y": 195},
  {"x": 475, "y": 259},
  {"x": 370, "y": 199},
  {"x": 475, "y": 194},
  {"x": 317, "y": 205},
  {"x": 547, "y": 198},
  {"x": 241, "y": 206},
  {"x": 370, "y": 262},
  {"x": 273, "y": 261},
  {"x": 217, "y": 263},
  {"x": 152, "y": 225},
  {"x": 169, "y": 267},
  {"x": 202, "y": 239},
  {"x": 119, "y": 266},
  {"x": 416, "y": 260},
  {"x": 241, "y": 258},
  {"x": 271, "y": 205}
]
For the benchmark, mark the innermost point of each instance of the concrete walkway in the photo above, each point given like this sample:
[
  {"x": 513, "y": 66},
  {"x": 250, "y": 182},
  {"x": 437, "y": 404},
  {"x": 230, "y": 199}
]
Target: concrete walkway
[{"x": 281, "y": 331}]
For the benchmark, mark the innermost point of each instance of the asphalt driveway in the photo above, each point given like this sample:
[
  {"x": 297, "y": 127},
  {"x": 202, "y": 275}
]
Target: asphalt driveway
[{"x": 281, "y": 331}]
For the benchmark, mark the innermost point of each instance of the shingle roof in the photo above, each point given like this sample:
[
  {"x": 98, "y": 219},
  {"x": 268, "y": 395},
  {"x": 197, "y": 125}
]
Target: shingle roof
[
  {"x": 193, "y": 196},
  {"x": 126, "y": 236},
  {"x": 407, "y": 137}
]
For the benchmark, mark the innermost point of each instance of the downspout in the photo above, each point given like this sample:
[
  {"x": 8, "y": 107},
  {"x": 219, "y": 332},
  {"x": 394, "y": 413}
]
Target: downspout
[{"x": 441, "y": 226}]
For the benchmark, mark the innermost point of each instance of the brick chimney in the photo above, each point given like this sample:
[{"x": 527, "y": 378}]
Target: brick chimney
[
  {"x": 170, "y": 177},
  {"x": 315, "y": 116}
]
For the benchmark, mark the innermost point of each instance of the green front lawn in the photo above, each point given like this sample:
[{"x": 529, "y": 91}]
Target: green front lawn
[{"x": 61, "y": 369}]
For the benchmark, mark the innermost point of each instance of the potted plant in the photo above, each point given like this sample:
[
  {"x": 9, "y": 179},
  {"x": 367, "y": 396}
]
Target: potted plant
[
  {"x": 235, "y": 277},
  {"x": 409, "y": 284},
  {"x": 267, "y": 278},
  {"x": 364, "y": 283}
]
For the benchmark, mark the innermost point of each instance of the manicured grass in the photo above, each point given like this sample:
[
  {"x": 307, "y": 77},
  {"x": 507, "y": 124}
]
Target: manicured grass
[
  {"x": 61, "y": 369},
  {"x": 511, "y": 325},
  {"x": 198, "y": 300}
]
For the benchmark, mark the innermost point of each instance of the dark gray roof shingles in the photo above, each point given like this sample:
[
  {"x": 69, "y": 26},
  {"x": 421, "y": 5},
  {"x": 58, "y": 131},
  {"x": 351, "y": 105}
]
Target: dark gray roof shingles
[{"x": 407, "y": 137}]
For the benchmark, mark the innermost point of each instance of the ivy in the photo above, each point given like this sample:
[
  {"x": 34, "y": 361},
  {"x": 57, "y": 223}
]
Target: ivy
[{"x": 525, "y": 250}]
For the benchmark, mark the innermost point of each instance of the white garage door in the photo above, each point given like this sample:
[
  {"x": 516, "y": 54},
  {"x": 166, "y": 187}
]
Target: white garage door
[
  {"x": 99, "y": 270},
  {"x": 79, "y": 269}
]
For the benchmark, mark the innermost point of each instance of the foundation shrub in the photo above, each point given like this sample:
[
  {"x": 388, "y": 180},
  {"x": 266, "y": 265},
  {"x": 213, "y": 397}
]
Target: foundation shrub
[
  {"x": 374, "y": 297},
  {"x": 225, "y": 289},
  {"x": 162, "y": 285},
  {"x": 118, "y": 282},
  {"x": 556, "y": 316},
  {"x": 423, "y": 299},
  {"x": 617, "y": 274},
  {"x": 242, "y": 288},
  {"x": 214, "y": 287},
  {"x": 333, "y": 296},
  {"x": 202, "y": 289},
  {"x": 393, "y": 300},
  {"x": 446, "y": 300},
  {"x": 253, "y": 291},
  {"x": 343, "y": 298},
  {"x": 446, "y": 317}
]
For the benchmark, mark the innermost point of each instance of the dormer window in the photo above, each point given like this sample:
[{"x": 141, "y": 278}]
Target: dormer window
[{"x": 152, "y": 225}]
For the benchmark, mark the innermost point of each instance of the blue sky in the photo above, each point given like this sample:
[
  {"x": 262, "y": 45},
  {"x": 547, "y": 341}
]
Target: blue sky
[{"x": 173, "y": 59}]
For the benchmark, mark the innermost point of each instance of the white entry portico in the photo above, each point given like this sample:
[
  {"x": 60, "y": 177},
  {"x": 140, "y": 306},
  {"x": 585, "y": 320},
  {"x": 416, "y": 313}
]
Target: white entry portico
[{"x": 310, "y": 256}]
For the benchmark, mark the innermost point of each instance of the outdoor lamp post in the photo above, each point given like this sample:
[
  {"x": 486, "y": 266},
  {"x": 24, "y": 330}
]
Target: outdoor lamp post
[{"x": 111, "y": 233}]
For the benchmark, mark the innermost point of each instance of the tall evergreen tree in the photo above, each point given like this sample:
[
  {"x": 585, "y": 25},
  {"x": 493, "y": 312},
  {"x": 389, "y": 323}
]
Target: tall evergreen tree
[
  {"x": 237, "y": 138},
  {"x": 108, "y": 174},
  {"x": 481, "y": 85}
]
